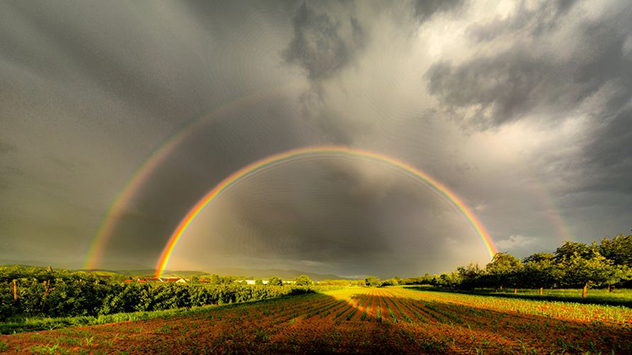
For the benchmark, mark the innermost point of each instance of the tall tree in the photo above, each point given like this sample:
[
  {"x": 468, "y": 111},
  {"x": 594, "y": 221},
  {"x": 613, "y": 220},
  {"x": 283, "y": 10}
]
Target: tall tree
[
  {"x": 540, "y": 271},
  {"x": 504, "y": 269},
  {"x": 275, "y": 281},
  {"x": 588, "y": 269},
  {"x": 568, "y": 249},
  {"x": 619, "y": 250},
  {"x": 470, "y": 275},
  {"x": 303, "y": 280},
  {"x": 372, "y": 281}
]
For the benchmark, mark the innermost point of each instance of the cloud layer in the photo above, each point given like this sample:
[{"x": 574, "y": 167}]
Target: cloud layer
[{"x": 521, "y": 108}]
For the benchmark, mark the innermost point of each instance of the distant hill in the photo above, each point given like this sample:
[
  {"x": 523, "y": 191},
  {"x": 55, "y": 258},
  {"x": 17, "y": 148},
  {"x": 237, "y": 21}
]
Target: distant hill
[
  {"x": 136, "y": 270},
  {"x": 237, "y": 272},
  {"x": 37, "y": 263},
  {"x": 268, "y": 273},
  {"x": 76, "y": 265}
]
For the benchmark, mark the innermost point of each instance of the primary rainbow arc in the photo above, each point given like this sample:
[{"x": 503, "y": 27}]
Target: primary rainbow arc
[
  {"x": 319, "y": 151},
  {"x": 117, "y": 210}
]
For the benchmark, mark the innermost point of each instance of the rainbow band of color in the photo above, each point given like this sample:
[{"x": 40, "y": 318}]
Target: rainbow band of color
[
  {"x": 151, "y": 163},
  {"x": 320, "y": 151},
  {"x": 116, "y": 212}
]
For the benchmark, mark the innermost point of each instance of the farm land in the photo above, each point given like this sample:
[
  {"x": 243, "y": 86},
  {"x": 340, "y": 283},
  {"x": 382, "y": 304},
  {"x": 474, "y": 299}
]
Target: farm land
[{"x": 355, "y": 320}]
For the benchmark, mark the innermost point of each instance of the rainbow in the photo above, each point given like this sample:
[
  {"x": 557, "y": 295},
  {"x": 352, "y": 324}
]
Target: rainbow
[
  {"x": 149, "y": 165},
  {"x": 116, "y": 210},
  {"x": 143, "y": 173},
  {"x": 283, "y": 157}
]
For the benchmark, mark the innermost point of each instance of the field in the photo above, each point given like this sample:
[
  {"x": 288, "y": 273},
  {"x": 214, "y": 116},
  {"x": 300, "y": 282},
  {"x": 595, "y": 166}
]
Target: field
[
  {"x": 355, "y": 320},
  {"x": 620, "y": 297}
]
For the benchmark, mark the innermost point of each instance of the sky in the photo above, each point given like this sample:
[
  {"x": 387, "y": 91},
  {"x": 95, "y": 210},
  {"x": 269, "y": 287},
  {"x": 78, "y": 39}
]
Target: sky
[{"x": 522, "y": 109}]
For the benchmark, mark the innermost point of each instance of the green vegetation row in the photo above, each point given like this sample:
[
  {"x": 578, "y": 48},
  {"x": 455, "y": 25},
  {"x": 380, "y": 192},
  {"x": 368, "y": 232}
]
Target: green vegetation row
[
  {"x": 573, "y": 265},
  {"x": 48, "y": 323},
  {"x": 61, "y": 294}
]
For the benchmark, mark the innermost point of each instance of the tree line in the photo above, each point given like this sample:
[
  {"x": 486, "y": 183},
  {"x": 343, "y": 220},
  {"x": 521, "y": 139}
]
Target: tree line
[
  {"x": 607, "y": 263},
  {"x": 32, "y": 291}
]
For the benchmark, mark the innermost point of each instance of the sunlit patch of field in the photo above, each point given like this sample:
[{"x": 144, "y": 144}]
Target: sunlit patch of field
[{"x": 356, "y": 320}]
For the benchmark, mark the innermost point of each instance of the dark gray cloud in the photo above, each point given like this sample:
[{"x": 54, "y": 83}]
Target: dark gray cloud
[
  {"x": 589, "y": 75},
  {"x": 425, "y": 9},
  {"x": 531, "y": 75},
  {"x": 524, "y": 81},
  {"x": 7, "y": 148},
  {"x": 323, "y": 45},
  {"x": 327, "y": 39},
  {"x": 88, "y": 93},
  {"x": 91, "y": 92},
  {"x": 8, "y": 170},
  {"x": 106, "y": 50},
  {"x": 608, "y": 155}
]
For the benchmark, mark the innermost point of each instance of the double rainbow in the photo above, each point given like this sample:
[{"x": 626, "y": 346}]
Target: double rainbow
[
  {"x": 290, "y": 155},
  {"x": 116, "y": 212}
]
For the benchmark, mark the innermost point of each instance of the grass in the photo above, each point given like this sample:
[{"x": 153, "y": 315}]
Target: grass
[
  {"x": 597, "y": 314},
  {"x": 621, "y": 297}
]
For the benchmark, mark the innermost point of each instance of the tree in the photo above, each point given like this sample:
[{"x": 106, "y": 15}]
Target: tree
[
  {"x": 588, "y": 269},
  {"x": 619, "y": 250},
  {"x": 372, "y": 281},
  {"x": 617, "y": 274},
  {"x": 258, "y": 282},
  {"x": 540, "y": 271},
  {"x": 390, "y": 282},
  {"x": 227, "y": 280},
  {"x": 303, "y": 280},
  {"x": 504, "y": 270},
  {"x": 215, "y": 280},
  {"x": 426, "y": 279},
  {"x": 470, "y": 275},
  {"x": 451, "y": 280},
  {"x": 568, "y": 249},
  {"x": 275, "y": 281}
]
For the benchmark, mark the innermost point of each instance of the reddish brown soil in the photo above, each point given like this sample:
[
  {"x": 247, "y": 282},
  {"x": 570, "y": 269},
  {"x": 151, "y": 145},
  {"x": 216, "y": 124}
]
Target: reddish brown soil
[{"x": 281, "y": 327}]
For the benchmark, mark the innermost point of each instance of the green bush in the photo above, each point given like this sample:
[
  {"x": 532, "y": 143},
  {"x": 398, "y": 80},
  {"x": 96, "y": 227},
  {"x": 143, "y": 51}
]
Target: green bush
[{"x": 64, "y": 294}]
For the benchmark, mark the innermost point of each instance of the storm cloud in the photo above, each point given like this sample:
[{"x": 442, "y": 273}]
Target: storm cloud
[
  {"x": 565, "y": 64},
  {"x": 534, "y": 76},
  {"x": 522, "y": 109},
  {"x": 323, "y": 45},
  {"x": 424, "y": 10}
]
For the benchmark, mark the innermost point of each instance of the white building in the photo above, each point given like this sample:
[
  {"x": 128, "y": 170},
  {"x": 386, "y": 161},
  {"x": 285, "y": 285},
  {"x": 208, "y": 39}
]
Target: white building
[{"x": 252, "y": 282}]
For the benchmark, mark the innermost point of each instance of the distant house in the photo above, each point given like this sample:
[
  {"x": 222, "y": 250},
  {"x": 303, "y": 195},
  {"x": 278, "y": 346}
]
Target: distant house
[
  {"x": 265, "y": 282},
  {"x": 174, "y": 279},
  {"x": 159, "y": 279},
  {"x": 252, "y": 282}
]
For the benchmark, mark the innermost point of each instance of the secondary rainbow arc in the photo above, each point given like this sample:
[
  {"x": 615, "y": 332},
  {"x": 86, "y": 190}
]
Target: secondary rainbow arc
[
  {"x": 140, "y": 176},
  {"x": 117, "y": 210},
  {"x": 264, "y": 163}
]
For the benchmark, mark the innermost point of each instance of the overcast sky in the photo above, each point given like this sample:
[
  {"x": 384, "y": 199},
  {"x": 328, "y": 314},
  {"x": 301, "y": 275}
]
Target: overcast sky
[{"x": 523, "y": 109}]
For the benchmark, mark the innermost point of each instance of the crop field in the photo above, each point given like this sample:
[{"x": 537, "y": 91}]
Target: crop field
[
  {"x": 355, "y": 320},
  {"x": 620, "y": 297}
]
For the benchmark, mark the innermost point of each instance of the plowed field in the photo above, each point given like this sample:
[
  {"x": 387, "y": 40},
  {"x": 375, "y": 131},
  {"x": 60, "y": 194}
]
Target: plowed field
[{"x": 356, "y": 320}]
